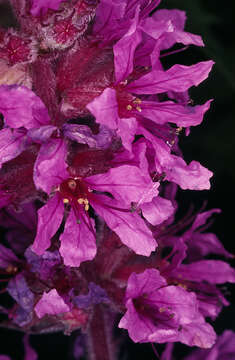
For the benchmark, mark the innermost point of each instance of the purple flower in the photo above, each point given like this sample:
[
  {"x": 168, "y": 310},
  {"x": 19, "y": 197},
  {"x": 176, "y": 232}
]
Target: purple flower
[
  {"x": 51, "y": 303},
  {"x": 31, "y": 116},
  {"x": 157, "y": 312},
  {"x": 21, "y": 293},
  {"x": 79, "y": 194}
]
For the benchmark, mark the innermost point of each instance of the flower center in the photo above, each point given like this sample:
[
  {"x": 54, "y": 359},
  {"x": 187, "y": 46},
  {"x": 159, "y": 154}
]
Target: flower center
[
  {"x": 74, "y": 191},
  {"x": 128, "y": 105}
]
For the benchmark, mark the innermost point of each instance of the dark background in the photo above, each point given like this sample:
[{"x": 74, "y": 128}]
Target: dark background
[{"x": 212, "y": 144}]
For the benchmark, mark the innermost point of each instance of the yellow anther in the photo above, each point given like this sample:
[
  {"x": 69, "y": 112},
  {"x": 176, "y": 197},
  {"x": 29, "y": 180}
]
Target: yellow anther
[
  {"x": 162, "y": 309},
  {"x": 137, "y": 101},
  {"x": 86, "y": 207},
  {"x": 129, "y": 107},
  {"x": 86, "y": 202},
  {"x": 138, "y": 108},
  {"x": 11, "y": 269},
  {"x": 183, "y": 286},
  {"x": 80, "y": 201},
  {"x": 178, "y": 130},
  {"x": 65, "y": 201}
]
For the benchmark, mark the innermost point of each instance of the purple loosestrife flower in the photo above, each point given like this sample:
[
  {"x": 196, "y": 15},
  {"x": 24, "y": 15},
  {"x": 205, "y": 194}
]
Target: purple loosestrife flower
[
  {"x": 157, "y": 312},
  {"x": 79, "y": 193}
]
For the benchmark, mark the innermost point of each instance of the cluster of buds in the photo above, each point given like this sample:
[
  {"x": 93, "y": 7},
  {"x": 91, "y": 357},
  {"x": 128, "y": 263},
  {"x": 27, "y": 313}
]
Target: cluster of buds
[{"x": 89, "y": 168}]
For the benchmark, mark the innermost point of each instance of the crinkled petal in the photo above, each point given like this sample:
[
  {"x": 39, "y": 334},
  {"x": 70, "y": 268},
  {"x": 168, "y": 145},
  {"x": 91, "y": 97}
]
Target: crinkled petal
[
  {"x": 105, "y": 108},
  {"x": 50, "y": 166},
  {"x": 177, "y": 18},
  {"x": 41, "y": 6},
  {"x": 78, "y": 242},
  {"x": 193, "y": 176},
  {"x": 178, "y": 78},
  {"x": 108, "y": 13},
  {"x": 212, "y": 271},
  {"x": 49, "y": 219},
  {"x": 139, "y": 328},
  {"x": 12, "y": 143},
  {"x": 80, "y": 133},
  {"x": 51, "y": 303},
  {"x": 198, "y": 333},
  {"x": 128, "y": 226},
  {"x": 21, "y": 107},
  {"x": 158, "y": 210},
  {"x": 144, "y": 283},
  {"x": 168, "y": 111},
  {"x": 127, "y": 183},
  {"x": 83, "y": 135},
  {"x": 21, "y": 293},
  {"x": 124, "y": 51},
  {"x": 127, "y": 130},
  {"x": 42, "y": 134},
  {"x": 156, "y": 29}
]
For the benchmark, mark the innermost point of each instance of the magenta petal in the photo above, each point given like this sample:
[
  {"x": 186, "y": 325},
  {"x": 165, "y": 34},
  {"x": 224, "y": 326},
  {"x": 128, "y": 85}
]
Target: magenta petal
[
  {"x": 30, "y": 110},
  {"x": 50, "y": 166},
  {"x": 51, "y": 303},
  {"x": 158, "y": 210},
  {"x": 105, "y": 108},
  {"x": 128, "y": 226},
  {"x": 139, "y": 329},
  {"x": 108, "y": 13},
  {"x": 198, "y": 333},
  {"x": 49, "y": 219},
  {"x": 12, "y": 143},
  {"x": 127, "y": 130},
  {"x": 144, "y": 283},
  {"x": 156, "y": 29},
  {"x": 212, "y": 271},
  {"x": 168, "y": 111},
  {"x": 193, "y": 176},
  {"x": 178, "y": 78},
  {"x": 78, "y": 242},
  {"x": 177, "y": 18},
  {"x": 124, "y": 51},
  {"x": 42, "y": 134},
  {"x": 126, "y": 183},
  {"x": 41, "y": 6}
]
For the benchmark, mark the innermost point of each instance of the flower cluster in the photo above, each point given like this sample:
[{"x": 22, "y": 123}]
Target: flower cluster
[{"x": 90, "y": 163}]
